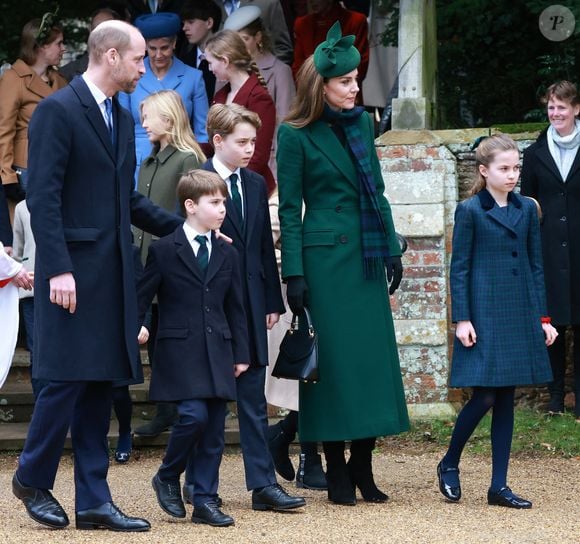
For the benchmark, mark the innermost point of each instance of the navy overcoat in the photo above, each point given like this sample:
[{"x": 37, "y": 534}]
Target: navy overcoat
[
  {"x": 497, "y": 283},
  {"x": 258, "y": 261},
  {"x": 202, "y": 329},
  {"x": 82, "y": 204},
  {"x": 560, "y": 202}
]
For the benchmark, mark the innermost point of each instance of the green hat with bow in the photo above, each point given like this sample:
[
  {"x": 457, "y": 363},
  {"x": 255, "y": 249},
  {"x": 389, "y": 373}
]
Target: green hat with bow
[{"x": 336, "y": 55}]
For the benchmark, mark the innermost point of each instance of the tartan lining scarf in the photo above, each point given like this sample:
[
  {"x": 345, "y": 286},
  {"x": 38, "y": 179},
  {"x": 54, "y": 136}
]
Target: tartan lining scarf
[{"x": 375, "y": 250}]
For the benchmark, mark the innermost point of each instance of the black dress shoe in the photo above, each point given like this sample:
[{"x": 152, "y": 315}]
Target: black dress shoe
[
  {"x": 165, "y": 417},
  {"x": 210, "y": 514},
  {"x": 188, "y": 496},
  {"x": 273, "y": 497},
  {"x": 450, "y": 492},
  {"x": 108, "y": 516},
  {"x": 506, "y": 497},
  {"x": 279, "y": 445},
  {"x": 169, "y": 497},
  {"x": 124, "y": 449},
  {"x": 40, "y": 505}
]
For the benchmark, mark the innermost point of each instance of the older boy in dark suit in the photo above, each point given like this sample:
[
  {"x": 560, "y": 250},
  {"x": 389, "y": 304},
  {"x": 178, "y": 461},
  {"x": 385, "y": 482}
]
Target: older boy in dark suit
[
  {"x": 232, "y": 130},
  {"x": 201, "y": 341}
]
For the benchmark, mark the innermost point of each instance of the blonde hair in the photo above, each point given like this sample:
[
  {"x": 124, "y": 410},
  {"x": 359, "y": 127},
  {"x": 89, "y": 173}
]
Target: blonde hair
[
  {"x": 228, "y": 44},
  {"x": 485, "y": 153},
  {"x": 197, "y": 183},
  {"x": 308, "y": 104},
  {"x": 169, "y": 105},
  {"x": 222, "y": 119},
  {"x": 29, "y": 44}
]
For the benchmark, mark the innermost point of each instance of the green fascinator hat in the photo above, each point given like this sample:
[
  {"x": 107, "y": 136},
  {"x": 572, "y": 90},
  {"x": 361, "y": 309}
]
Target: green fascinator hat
[{"x": 336, "y": 55}]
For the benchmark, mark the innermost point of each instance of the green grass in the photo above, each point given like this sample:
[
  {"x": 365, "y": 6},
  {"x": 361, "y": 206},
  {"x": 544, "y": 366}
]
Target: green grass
[{"x": 534, "y": 434}]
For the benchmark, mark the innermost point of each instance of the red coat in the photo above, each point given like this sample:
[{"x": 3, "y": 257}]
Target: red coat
[
  {"x": 255, "y": 97},
  {"x": 310, "y": 30}
]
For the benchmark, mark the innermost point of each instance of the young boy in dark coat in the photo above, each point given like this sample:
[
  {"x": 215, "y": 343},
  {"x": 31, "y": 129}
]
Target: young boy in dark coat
[
  {"x": 232, "y": 131},
  {"x": 201, "y": 344}
]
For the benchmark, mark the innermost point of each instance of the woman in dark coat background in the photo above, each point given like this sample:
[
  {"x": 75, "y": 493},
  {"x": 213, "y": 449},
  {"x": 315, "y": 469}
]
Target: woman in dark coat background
[{"x": 551, "y": 175}]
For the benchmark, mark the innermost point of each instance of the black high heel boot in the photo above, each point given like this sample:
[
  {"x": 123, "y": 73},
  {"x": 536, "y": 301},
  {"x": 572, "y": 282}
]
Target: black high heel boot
[
  {"x": 280, "y": 436},
  {"x": 361, "y": 472},
  {"x": 310, "y": 474},
  {"x": 341, "y": 490}
]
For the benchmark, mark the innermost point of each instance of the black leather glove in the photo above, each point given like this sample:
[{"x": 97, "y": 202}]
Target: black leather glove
[
  {"x": 394, "y": 273},
  {"x": 14, "y": 192},
  {"x": 296, "y": 290}
]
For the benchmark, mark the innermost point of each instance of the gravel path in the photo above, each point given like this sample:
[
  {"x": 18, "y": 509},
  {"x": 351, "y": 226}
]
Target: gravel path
[{"x": 416, "y": 512}]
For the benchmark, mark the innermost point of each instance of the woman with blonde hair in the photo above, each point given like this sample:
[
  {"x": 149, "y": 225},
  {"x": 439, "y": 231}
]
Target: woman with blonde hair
[
  {"x": 230, "y": 61},
  {"x": 175, "y": 151},
  {"x": 30, "y": 79}
]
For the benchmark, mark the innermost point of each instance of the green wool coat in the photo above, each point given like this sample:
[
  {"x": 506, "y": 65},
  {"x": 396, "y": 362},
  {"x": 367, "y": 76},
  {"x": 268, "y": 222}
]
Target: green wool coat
[
  {"x": 158, "y": 177},
  {"x": 360, "y": 392}
]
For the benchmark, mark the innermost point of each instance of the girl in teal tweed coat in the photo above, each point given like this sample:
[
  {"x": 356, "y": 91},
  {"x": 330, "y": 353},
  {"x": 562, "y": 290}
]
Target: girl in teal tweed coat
[{"x": 498, "y": 303}]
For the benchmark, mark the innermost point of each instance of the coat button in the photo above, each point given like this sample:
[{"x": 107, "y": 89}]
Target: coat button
[
  {"x": 515, "y": 272},
  {"x": 343, "y": 239},
  {"x": 207, "y": 289},
  {"x": 514, "y": 253},
  {"x": 209, "y": 330},
  {"x": 207, "y": 309},
  {"x": 338, "y": 209},
  {"x": 250, "y": 276},
  {"x": 562, "y": 193},
  {"x": 513, "y": 235},
  {"x": 563, "y": 218},
  {"x": 564, "y": 244}
]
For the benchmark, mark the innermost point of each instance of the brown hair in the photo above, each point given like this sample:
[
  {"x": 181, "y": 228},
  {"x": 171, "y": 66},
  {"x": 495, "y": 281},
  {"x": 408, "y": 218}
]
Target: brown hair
[
  {"x": 197, "y": 183},
  {"x": 258, "y": 26},
  {"x": 29, "y": 45},
  {"x": 228, "y": 44},
  {"x": 485, "y": 153},
  {"x": 562, "y": 90},
  {"x": 308, "y": 104},
  {"x": 222, "y": 119}
]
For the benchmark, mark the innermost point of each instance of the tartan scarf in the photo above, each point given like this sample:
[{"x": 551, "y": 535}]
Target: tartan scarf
[{"x": 375, "y": 250}]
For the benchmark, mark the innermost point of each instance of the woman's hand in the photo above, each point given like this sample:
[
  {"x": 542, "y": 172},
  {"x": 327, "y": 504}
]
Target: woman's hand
[
  {"x": 466, "y": 333},
  {"x": 296, "y": 290},
  {"x": 394, "y": 273},
  {"x": 24, "y": 279},
  {"x": 550, "y": 332}
]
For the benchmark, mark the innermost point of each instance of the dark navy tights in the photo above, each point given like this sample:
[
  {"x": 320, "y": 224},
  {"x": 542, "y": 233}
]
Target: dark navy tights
[{"x": 501, "y": 399}]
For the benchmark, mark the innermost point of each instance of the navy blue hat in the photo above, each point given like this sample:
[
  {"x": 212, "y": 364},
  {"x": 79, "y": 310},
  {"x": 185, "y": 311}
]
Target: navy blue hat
[{"x": 158, "y": 25}]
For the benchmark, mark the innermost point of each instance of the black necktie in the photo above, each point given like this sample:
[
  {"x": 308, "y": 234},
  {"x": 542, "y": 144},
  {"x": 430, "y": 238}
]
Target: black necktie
[
  {"x": 202, "y": 252},
  {"x": 236, "y": 197}
]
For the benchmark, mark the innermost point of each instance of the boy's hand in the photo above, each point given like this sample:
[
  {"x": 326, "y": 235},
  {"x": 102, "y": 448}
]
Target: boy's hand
[
  {"x": 23, "y": 279},
  {"x": 143, "y": 335},
  {"x": 220, "y": 234},
  {"x": 63, "y": 291},
  {"x": 271, "y": 320},
  {"x": 466, "y": 333},
  {"x": 550, "y": 332},
  {"x": 240, "y": 368}
]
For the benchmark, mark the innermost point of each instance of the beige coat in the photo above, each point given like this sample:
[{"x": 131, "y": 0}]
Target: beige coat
[{"x": 21, "y": 89}]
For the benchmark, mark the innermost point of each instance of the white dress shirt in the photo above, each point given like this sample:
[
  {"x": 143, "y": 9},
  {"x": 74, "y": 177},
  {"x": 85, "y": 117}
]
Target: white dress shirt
[
  {"x": 99, "y": 97},
  {"x": 191, "y": 233},
  {"x": 224, "y": 172}
]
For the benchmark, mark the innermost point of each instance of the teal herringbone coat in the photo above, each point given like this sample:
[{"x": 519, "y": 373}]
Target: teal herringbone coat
[{"x": 360, "y": 393}]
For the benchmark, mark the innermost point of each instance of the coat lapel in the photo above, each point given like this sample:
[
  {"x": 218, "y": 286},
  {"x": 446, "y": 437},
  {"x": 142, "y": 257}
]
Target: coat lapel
[
  {"x": 216, "y": 258},
  {"x": 251, "y": 200},
  {"x": 323, "y": 138},
  {"x": 488, "y": 204},
  {"x": 186, "y": 254},
  {"x": 544, "y": 155},
  {"x": 93, "y": 114}
]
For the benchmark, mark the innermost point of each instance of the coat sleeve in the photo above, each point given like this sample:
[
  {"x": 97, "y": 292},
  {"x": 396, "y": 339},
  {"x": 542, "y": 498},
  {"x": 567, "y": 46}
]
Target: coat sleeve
[
  {"x": 290, "y": 159},
  {"x": 279, "y": 31},
  {"x": 394, "y": 246},
  {"x": 148, "y": 284},
  {"x": 461, "y": 259},
  {"x": 151, "y": 218},
  {"x": 285, "y": 89},
  {"x": 262, "y": 104},
  {"x": 18, "y": 244},
  {"x": 236, "y": 314},
  {"x": 48, "y": 160},
  {"x": 529, "y": 185},
  {"x": 9, "y": 106},
  {"x": 200, "y": 109},
  {"x": 535, "y": 256},
  {"x": 362, "y": 44},
  {"x": 299, "y": 53}
]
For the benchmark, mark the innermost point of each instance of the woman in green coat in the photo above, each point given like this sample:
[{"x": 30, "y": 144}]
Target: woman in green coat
[{"x": 334, "y": 261}]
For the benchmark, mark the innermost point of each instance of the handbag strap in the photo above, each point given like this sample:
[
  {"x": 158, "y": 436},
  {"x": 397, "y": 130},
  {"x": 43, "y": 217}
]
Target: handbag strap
[{"x": 295, "y": 325}]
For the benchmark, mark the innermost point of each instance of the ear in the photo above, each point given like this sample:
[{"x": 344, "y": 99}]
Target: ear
[
  {"x": 111, "y": 56},
  {"x": 190, "y": 206},
  {"x": 217, "y": 140},
  {"x": 209, "y": 23},
  {"x": 483, "y": 170}
]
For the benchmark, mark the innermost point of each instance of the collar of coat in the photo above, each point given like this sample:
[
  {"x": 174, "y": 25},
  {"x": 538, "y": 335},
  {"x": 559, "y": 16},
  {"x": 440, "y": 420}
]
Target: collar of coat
[{"x": 487, "y": 202}]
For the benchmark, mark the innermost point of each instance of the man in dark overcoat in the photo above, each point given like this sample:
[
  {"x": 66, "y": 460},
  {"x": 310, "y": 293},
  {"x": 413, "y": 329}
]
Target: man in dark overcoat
[{"x": 82, "y": 204}]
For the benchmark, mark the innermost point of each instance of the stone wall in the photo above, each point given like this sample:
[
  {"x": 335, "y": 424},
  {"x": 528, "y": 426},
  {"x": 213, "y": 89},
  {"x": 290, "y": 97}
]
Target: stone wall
[{"x": 426, "y": 173}]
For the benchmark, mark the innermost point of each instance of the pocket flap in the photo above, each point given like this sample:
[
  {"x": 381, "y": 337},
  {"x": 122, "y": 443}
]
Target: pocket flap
[
  {"x": 172, "y": 333},
  {"x": 318, "y": 238},
  {"x": 81, "y": 234}
]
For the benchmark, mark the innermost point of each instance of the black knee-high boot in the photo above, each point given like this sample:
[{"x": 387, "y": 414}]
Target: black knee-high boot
[
  {"x": 341, "y": 489},
  {"x": 361, "y": 471}
]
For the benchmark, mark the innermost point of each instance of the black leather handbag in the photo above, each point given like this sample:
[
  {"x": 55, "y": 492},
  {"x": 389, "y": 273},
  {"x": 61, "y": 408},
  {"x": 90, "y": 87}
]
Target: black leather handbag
[{"x": 298, "y": 357}]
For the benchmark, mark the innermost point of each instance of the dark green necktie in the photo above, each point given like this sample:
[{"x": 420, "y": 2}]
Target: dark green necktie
[
  {"x": 236, "y": 197},
  {"x": 202, "y": 252}
]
